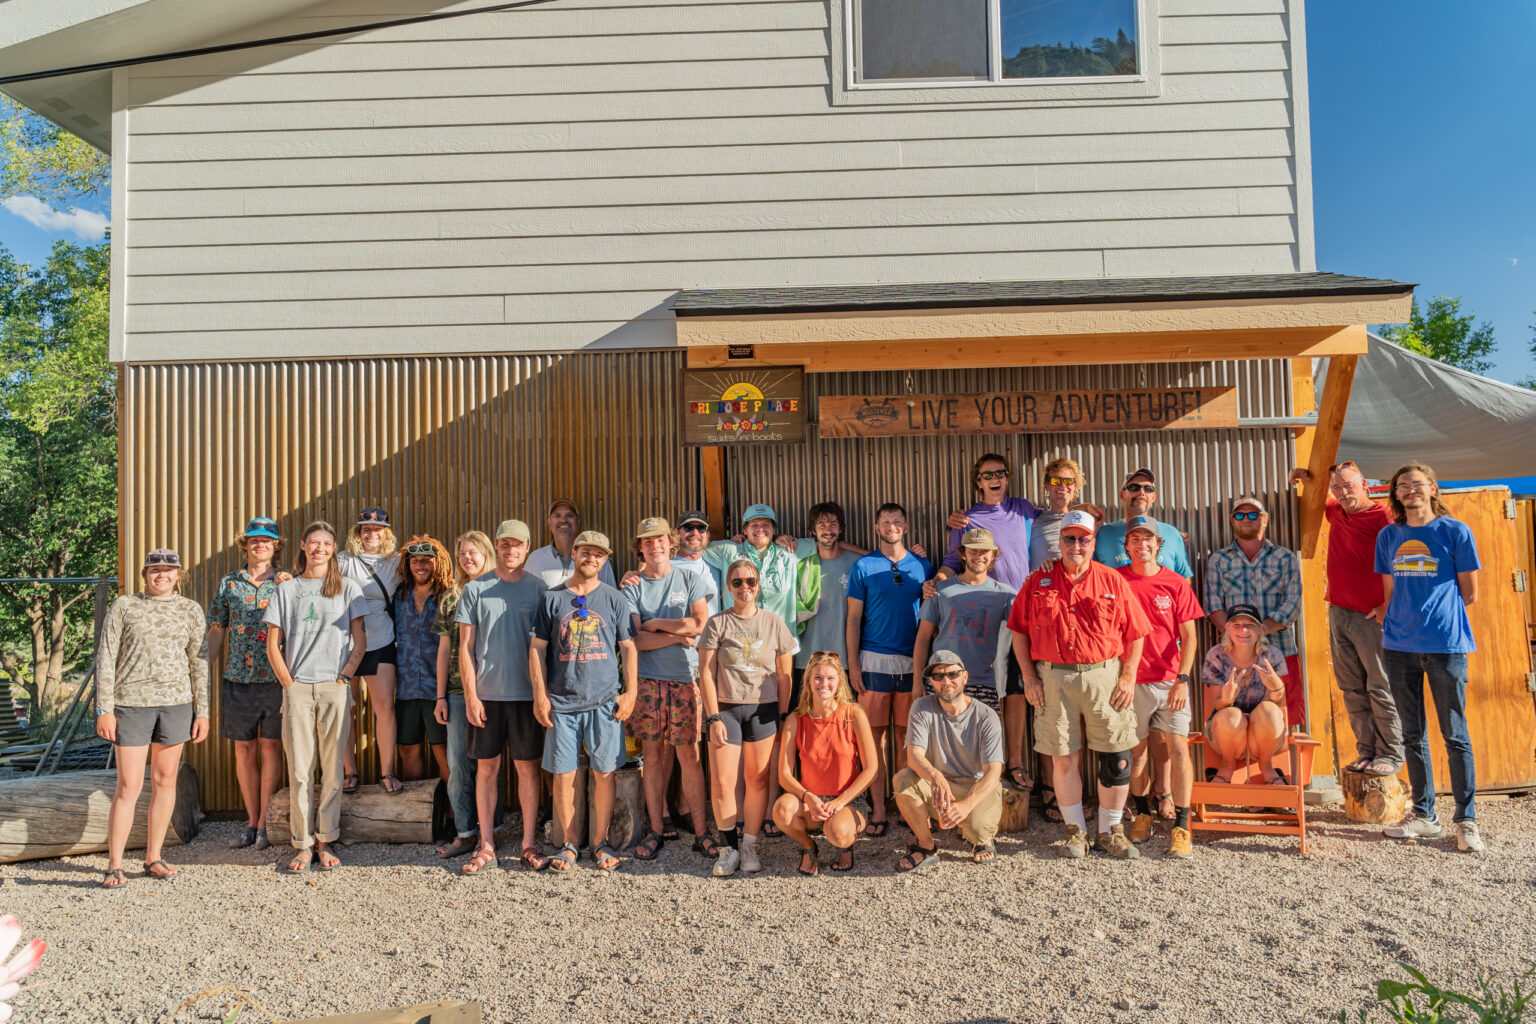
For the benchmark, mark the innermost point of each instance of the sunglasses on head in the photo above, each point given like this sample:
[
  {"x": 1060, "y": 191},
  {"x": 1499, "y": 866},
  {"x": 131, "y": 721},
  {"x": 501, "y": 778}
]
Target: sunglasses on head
[
  {"x": 421, "y": 549},
  {"x": 373, "y": 515},
  {"x": 993, "y": 474},
  {"x": 1247, "y": 515},
  {"x": 829, "y": 655},
  {"x": 1061, "y": 481},
  {"x": 1346, "y": 464},
  {"x": 744, "y": 581},
  {"x": 261, "y": 522},
  {"x": 166, "y": 560},
  {"x": 948, "y": 673},
  {"x": 1140, "y": 488}
]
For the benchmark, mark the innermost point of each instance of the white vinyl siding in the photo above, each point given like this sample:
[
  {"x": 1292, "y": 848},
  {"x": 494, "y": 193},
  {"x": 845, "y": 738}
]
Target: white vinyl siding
[{"x": 549, "y": 179}]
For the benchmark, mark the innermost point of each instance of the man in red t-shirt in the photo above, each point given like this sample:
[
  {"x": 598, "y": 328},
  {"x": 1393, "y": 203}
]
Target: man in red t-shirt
[
  {"x": 1162, "y": 683},
  {"x": 1356, "y": 606},
  {"x": 1078, "y": 632}
]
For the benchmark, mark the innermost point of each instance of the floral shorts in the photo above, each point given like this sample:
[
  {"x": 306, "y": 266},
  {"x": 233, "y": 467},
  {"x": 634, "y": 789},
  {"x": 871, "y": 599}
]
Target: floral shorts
[{"x": 667, "y": 711}]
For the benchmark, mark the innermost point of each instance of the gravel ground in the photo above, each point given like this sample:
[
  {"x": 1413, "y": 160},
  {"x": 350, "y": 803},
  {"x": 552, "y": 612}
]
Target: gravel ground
[{"x": 1247, "y": 931}]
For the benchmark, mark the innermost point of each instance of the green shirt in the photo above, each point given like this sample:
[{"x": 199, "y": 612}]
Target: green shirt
[{"x": 776, "y": 569}]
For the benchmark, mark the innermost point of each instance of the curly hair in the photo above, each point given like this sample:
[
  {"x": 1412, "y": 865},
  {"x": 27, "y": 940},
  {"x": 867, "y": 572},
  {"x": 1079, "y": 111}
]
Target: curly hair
[
  {"x": 442, "y": 567},
  {"x": 387, "y": 543}
]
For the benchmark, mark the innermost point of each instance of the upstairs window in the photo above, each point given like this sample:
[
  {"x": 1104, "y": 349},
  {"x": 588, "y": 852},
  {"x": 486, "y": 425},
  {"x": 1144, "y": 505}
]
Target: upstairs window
[{"x": 986, "y": 42}]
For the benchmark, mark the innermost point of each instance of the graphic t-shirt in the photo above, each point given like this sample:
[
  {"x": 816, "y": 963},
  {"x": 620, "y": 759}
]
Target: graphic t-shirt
[
  {"x": 502, "y": 614},
  {"x": 892, "y": 593},
  {"x": 972, "y": 621},
  {"x": 1169, "y": 602},
  {"x": 1009, "y": 522},
  {"x": 1427, "y": 614},
  {"x": 1109, "y": 548},
  {"x": 746, "y": 651},
  {"x": 317, "y": 638},
  {"x": 581, "y": 661},
  {"x": 824, "y": 631},
  {"x": 670, "y": 597},
  {"x": 1251, "y": 691}
]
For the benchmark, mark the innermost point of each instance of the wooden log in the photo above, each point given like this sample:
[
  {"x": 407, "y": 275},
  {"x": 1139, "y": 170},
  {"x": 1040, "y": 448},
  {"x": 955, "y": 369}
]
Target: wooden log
[
  {"x": 1380, "y": 799},
  {"x": 414, "y": 815},
  {"x": 1015, "y": 810},
  {"x": 66, "y": 814},
  {"x": 629, "y": 815}
]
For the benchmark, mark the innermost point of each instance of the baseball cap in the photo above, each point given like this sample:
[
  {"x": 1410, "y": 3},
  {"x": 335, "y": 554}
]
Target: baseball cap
[
  {"x": 373, "y": 515},
  {"x": 1077, "y": 520},
  {"x": 692, "y": 516},
  {"x": 1240, "y": 611},
  {"x": 652, "y": 526},
  {"x": 978, "y": 538},
  {"x": 1143, "y": 471},
  {"x": 1141, "y": 523},
  {"x": 516, "y": 529},
  {"x": 161, "y": 558},
  {"x": 759, "y": 511},
  {"x": 1250, "y": 500},
  {"x": 562, "y": 501},
  {"x": 592, "y": 538},
  {"x": 938, "y": 658},
  {"x": 261, "y": 526}
]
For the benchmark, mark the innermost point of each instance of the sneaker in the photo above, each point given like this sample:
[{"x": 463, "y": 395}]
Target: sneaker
[
  {"x": 1468, "y": 838},
  {"x": 1179, "y": 844},
  {"x": 749, "y": 859},
  {"x": 262, "y": 842},
  {"x": 1116, "y": 844},
  {"x": 1141, "y": 828},
  {"x": 1076, "y": 844},
  {"x": 1415, "y": 827},
  {"x": 726, "y": 862},
  {"x": 246, "y": 837}
]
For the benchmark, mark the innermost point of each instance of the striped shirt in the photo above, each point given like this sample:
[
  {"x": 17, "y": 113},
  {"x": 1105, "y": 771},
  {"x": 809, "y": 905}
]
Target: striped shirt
[{"x": 1271, "y": 582}]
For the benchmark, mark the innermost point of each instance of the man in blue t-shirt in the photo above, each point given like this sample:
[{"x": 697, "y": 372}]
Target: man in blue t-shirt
[
  {"x": 1137, "y": 496},
  {"x": 1428, "y": 565},
  {"x": 885, "y": 590}
]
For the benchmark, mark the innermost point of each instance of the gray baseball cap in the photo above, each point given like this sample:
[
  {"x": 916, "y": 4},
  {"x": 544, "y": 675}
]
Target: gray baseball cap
[{"x": 938, "y": 658}]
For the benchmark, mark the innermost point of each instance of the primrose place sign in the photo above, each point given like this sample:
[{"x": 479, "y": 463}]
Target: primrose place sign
[
  {"x": 1028, "y": 412},
  {"x": 745, "y": 405}
]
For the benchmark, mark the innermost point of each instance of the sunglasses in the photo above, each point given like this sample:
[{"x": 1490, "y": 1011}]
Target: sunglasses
[
  {"x": 993, "y": 474},
  {"x": 693, "y": 528},
  {"x": 744, "y": 581},
  {"x": 1139, "y": 488},
  {"x": 259, "y": 522},
  {"x": 168, "y": 560},
  {"x": 949, "y": 673},
  {"x": 1061, "y": 481},
  {"x": 829, "y": 655},
  {"x": 581, "y": 607},
  {"x": 373, "y": 515},
  {"x": 1072, "y": 540},
  {"x": 1247, "y": 515},
  {"x": 421, "y": 549},
  {"x": 896, "y": 575},
  {"x": 1346, "y": 464}
]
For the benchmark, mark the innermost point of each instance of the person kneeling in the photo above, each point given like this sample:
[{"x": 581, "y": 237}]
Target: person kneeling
[
  {"x": 954, "y": 767},
  {"x": 829, "y": 733},
  {"x": 1246, "y": 695}
]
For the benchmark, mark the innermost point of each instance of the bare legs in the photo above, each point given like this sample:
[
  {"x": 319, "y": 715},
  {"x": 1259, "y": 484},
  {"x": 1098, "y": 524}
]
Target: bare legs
[
  {"x": 164, "y": 761},
  {"x": 257, "y": 781}
]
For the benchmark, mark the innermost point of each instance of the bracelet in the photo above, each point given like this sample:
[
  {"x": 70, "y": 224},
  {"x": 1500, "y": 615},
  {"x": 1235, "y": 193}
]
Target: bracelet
[{"x": 712, "y": 719}]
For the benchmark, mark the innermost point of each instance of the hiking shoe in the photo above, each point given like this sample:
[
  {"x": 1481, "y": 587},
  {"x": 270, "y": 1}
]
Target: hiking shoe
[
  {"x": 750, "y": 862},
  {"x": 246, "y": 837},
  {"x": 1468, "y": 838},
  {"x": 262, "y": 842},
  {"x": 1116, "y": 844},
  {"x": 1415, "y": 827},
  {"x": 1075, "y": 846},
  {"x": 1141, "y": 828},
  {"x": 726, "y": 863},
  {"x": 1179, "y": 844}
]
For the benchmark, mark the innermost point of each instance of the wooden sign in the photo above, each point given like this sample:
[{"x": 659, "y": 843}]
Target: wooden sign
[
  {"x": 1027, "y": 411},
  {"x": 743, "y": 405}
]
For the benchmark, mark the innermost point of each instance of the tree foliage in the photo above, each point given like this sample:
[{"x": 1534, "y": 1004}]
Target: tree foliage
[
  {"x": 1105, "y": 57},
  {"x": 38, "y": 158},
  {"x": 1441, "y": 332},
  {"x": 1530, "y": 382}
]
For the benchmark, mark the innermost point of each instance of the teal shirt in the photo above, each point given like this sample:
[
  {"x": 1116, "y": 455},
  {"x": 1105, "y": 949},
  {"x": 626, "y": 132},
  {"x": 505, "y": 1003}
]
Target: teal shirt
[{"x": 775, "y": 572}]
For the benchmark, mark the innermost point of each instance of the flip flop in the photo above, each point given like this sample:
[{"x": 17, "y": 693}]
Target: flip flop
[
  {"x": 1357, "y": 765},
  {"x": 113, "y": 878},
  {"x": 1020, "y": 778},
  {"x": 771, "y": 829},
  {"x": 302, "y": 859},
  {"x": 986, "y": 853},
  {"x": 325, "y": 860},
  {"x": 349, "y": 782},
  {"x": 1382, "y": 766},
  {"x": 876, "y": 829},
  {"x": 384, "y": 784}
]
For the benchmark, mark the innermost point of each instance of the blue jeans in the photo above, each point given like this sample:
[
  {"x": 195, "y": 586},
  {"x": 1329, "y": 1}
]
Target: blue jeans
[
  {"x": 461, "y": 770},
  {"x": 1447, "y": 674}
]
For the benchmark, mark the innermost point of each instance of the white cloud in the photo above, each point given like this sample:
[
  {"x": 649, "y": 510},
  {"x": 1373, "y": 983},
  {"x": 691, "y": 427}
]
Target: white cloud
[
  {"x": 1513, "y": 260},
  {"x": 83, "y": 224}
]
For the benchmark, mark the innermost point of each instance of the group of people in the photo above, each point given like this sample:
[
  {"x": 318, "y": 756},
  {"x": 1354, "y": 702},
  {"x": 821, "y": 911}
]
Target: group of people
[{"x": 795, "y": 660}]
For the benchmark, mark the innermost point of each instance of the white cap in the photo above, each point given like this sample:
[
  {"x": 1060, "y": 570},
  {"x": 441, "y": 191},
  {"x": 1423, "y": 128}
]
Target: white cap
[{"x": 1078, "y": 520}]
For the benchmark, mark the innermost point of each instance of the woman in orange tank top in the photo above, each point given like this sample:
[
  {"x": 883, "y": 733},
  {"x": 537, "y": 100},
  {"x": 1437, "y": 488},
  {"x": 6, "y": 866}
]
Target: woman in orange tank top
[{"x": 829, "y": 734}]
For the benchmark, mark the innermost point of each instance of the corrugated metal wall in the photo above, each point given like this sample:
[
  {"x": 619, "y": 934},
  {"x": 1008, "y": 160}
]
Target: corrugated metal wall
[{"x": 446, "y": 444}]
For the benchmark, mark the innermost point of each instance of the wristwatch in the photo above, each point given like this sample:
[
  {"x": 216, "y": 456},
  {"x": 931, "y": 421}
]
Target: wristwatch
[
  {"x": 1183, "y": 677},
  {"x": 345, "y": 679}
]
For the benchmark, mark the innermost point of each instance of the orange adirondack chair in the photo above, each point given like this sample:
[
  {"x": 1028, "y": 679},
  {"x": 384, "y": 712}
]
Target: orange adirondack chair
[{"x": 1223, "y": 806}]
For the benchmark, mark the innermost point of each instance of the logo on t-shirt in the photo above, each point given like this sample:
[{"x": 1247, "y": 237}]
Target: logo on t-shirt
[
  {"x": 1045, "y": 581},
  {"x": 582, "y": 637},
  {"x": 676, "y": 597},
  {"x": 1413, "y": 558},
  {"x": 1163, "y": 602}
]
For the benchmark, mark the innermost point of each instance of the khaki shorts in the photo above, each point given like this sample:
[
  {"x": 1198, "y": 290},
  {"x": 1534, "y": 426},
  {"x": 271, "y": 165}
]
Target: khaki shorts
[
  {"x": 1073, "y": 693},
  {"x": 979, "y": 828}
]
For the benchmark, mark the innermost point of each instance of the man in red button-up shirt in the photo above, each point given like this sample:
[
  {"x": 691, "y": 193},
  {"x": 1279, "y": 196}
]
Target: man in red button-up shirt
[{"x": 1078, "y": 631}]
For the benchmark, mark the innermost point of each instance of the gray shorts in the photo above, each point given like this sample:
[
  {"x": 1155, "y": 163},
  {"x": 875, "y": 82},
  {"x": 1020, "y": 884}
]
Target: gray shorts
[
  {"x": 1152, "y": 710},
  {"x": 250, "y": 710},
  {"x": 167, "y": 725}
]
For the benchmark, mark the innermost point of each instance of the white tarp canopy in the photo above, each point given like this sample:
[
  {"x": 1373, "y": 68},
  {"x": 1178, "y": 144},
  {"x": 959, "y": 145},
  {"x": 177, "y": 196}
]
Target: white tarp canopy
[{"x": 1406, "y": 406}]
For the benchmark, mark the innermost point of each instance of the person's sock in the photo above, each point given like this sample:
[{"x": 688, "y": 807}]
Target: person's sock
[
  {"x": 748, "y": 840},
  {"x": 1143, "y": 804},
  {"x": 1072, "y": 814},
  {"x": 1108, "y": 819},
  {"x": 732, "y": 836},
  {"x": 1181, "y": 818}
]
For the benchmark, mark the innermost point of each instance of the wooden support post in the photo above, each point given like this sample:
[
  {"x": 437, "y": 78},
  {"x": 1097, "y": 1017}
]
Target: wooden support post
[{"x": 712, "y": 463}]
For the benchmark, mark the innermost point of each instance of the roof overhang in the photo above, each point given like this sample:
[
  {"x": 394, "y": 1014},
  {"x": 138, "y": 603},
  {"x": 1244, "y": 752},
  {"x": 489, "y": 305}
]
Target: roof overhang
[{"x": 1041, "y": 322}]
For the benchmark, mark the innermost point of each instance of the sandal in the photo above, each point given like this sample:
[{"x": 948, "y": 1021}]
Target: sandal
[
  {"x": 392, "y": 790},
  {"x": 708, "y": 845},
  {"x": 917, "y": 857},
  {"x": 649, "y": 847},
  {"x": 771, "y": 829},
  {"x": 479, "y": 862},
  {"x": 1382, "y": 766},
  {"x": 1358, "y": 764},
  {"x": 604, "y": 857},
  {"x": 300, "y": 862},
  {"x": 815, "y": 862},
  {"x": 876, "y": 829},
  {"x": 325, "y": 860},
  {"x": 1167, "y": 810},
  {"x": 349, "y": 782},
  {"x": 460, "y": 846},
  {"x": 113, "y": 878},
  {"x": 668, "y": 831},
  {"x": 838, "y": 865},
  {"x": 983, "y": 854},
  {"x": 533, "y": 859},
  {"x": 565, "y": 860},
  {"x": 1050, "y": 808},
  {"x": 1020, "y": 778},
  {"x": 160, "y": 869}
]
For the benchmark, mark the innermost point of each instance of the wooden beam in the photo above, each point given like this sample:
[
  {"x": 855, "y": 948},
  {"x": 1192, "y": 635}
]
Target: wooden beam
[
  {"x": 712, "y": 464},
  {"x": 1324, "y": 447},
  {"x": 1056, "y": 350}
]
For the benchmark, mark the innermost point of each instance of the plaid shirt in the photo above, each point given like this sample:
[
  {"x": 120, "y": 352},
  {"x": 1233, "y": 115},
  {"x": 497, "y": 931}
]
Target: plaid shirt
[{"x": 1271, "y": 583}]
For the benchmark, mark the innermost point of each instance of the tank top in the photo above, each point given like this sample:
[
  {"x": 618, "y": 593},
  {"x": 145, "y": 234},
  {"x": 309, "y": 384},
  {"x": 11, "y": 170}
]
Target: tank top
[{"x": 829, "y": 751}]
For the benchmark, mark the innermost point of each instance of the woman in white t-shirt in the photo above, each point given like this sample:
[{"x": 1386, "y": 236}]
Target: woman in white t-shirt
[{"x": 370, "y": 561}]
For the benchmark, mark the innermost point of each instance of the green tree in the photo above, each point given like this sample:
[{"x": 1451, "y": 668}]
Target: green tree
[
  {"x": 38, "y": 158},
  {"x": 1440, "y": 331},
  {"x": 58, "y": 459},
  {"x": 1530, "y": 382}
]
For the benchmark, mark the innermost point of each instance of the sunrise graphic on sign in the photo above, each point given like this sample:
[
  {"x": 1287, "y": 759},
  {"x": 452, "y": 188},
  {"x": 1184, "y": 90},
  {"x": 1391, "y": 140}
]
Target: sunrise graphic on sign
[{"x": 1413, "y": 556}]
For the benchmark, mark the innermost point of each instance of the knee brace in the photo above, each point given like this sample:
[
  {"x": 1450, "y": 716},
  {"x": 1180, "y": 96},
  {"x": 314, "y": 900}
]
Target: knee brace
[{"x": 1115, "y": 769}]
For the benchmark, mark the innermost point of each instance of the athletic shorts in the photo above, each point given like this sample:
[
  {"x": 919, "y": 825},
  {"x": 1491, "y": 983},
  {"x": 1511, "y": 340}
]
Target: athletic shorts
[
  {"x": 249, "y": 710},
  {"x": 750, "y": 723},
  {"x": 1152, "y": 711},
  {"x": 415, "y": 721},
  {"x": 666, "y": 711},
  {"x": 167, "y": 725},
  {"x": 1013, "y": 686},
  {"x": 901, "y": 693},
  {"x": 509, "y": 724},
  {"x": 373, "y": 659},
  {"x": 598, "y": 730},
  {"x": 883, "y": 682}
]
